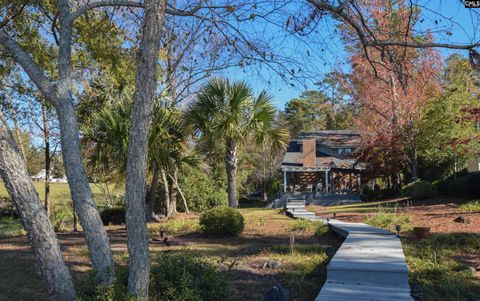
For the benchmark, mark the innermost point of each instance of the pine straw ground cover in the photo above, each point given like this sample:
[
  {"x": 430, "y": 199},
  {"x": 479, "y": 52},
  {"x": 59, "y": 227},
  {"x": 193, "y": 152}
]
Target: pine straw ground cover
[
  {"x": 248, "y": 263},
  {"x": 446, "y": 265}
]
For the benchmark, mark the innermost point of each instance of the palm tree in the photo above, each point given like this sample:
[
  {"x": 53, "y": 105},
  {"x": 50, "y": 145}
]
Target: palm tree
[{"x": 228, "y": 115}]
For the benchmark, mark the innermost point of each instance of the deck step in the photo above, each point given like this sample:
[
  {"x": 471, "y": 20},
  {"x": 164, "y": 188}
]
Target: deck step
[{"x": 345, "y": 291}]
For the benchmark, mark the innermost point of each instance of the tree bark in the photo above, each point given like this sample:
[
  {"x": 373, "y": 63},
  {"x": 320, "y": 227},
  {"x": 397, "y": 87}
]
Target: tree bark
[
  {"x": 59, "y": 94},
  {"x": 152, "y": 193},
  {"x": 142, "y": 113},
  {"x": 231, "y": 162},
  {"x": 45, "y": 246},
  {"x": 84, "y": 204}
]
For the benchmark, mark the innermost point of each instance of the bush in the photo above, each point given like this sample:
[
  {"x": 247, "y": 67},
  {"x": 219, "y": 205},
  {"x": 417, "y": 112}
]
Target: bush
[
  {"x": 303, "y": 225},
  {"x": 473, "y": 206},
  {"x": 390, "y": 220},
  {"x": 321, "y": 230},
  {"x": 419, "y": 189},
  {"x": 441, "y": 185},
  {"x": 222, "y": 221},
  {"x": 185, "y": 277},
  {"x": 466, "y": 186},
  {"x": 61, "y": 216},
  {"x": 203, "y": 190},
  {"x": 114, "y": 216}
]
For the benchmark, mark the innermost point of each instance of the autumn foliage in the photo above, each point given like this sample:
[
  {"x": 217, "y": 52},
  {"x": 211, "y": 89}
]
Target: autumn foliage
[{"x": 390, "y": 85}]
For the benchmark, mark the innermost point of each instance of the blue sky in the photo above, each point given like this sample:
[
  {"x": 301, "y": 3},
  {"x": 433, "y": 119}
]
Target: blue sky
[{"x": 449, "y": 21}]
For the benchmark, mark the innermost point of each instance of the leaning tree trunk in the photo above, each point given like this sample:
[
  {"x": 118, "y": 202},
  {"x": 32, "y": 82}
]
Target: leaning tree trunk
[
  {"x": 45, "y": 246},
  {"x": 59, "y": 93},
  {"x": 231, "y": 163},
  {"x": 84, "y": 204},
  {"x": 142, "y": 113}
]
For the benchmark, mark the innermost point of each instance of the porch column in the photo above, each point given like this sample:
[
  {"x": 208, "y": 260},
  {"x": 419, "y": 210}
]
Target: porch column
[
  {"x": 359, "y": 184},
  {"x": 326, "y": 181},
  {"x": 350, "y": 180},
  {"x": 284, "y": 181}
]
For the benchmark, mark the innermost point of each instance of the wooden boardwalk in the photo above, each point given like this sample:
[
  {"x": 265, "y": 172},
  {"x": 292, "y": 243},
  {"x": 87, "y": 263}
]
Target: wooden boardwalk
[{"x": 370, "y": 264}]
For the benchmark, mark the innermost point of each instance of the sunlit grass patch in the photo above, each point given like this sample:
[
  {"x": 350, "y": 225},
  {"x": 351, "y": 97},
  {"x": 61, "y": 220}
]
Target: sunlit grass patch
[
  {"x": 10, "y": 226},
  {"x": 390, "y": 220},
  {"x": 473, "y": 206},
  {"x": 433, "y": 266},
  {"x": 174, "y": 225},
  {"x": 303, "y": 268}
]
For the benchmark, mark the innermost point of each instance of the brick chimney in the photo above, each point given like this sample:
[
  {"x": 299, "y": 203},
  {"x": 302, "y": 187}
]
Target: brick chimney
[{"x": 309, "y": 153}]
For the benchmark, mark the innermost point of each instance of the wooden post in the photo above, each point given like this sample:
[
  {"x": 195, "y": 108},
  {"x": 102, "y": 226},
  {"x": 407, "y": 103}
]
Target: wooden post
[
  {"x": 326, "y": 181},
  {"x": 284, "y": 181}
]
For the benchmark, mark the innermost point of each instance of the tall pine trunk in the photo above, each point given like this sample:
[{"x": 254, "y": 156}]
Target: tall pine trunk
[
  {"x": 40, "y": 232},
  {"x": 142, "y": 113},
  {"x": 231, "y": 162}
]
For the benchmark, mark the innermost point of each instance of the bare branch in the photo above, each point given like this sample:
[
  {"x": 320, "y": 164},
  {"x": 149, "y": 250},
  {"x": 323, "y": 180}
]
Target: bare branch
[
  {"x": 105, "y": 3},
  {"x": 340, "y": 13}
]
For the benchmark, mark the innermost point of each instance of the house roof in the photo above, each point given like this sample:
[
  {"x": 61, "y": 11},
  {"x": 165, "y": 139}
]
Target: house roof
[{"x": 333, "y": 138}]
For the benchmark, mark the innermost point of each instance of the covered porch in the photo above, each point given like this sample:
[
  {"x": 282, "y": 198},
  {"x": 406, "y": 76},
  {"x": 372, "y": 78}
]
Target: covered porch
[{"x": 320, "y": 180}]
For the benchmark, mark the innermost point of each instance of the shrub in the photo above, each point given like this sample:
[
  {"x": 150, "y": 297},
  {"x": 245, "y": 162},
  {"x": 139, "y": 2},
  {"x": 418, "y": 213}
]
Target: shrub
[
  {"x": 185, "y": 277},
  {"x": 390, "y": 220},
  {"x": 320, "y": 230},
  {"x": 222, "y": 221},
  {"x": 10, "y": 226},
  {"x": 303, "y": 225},
  {"x": 114, "y": 216},
  {"x": 419, "y": 189},
  {"x": 61, "y": 216},
  {"x": 466, "y": 186},
  {"x": 203, "y": 190},
  {"x": 441, "y": 185},
  {"x": 473, "y": 206}
]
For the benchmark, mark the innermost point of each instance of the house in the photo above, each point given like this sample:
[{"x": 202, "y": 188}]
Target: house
[
  {"x": 42, "y": 175},
  {"x": 319, "y": 164}
]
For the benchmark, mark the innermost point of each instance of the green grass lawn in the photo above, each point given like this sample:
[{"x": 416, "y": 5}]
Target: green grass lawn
[{"x": 60, "y": 192}]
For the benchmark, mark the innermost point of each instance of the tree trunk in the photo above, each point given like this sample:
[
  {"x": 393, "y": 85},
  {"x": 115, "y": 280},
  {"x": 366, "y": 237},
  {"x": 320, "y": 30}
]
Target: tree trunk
[
  {"x": 414, "y": 160},
  {"x": 59, "y": 93},
  {"x": 46, "y": 137},
  {"x": 181, "y": 194},
  {"x": 85, "y": 206},
  {"x": 142, "y": 113},
  {"x": 152, "y": 193},
  {"x": 45, "y": 246},
  {"x": 231, "y": 163},
  {"x": 173, "y": 193},
  {"x": 166, "y": 192}
]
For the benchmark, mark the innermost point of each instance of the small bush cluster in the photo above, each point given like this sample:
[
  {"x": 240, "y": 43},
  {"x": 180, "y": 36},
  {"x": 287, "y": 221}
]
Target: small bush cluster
[
  {"x": 466, "y": 186},
  {"x": 321, "y": 230},
  {"x": 113, "y": 216},
  {"x": 303, "y": 225},
  {"x": 390, "y": 220},
  {"x": 187, "y": 278},
  {"x": 473, "y": 206},
  {"x": 419, "y": 189},
  {"x": 222, "y": 221},
  {"x": 175, "y": 225}
]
